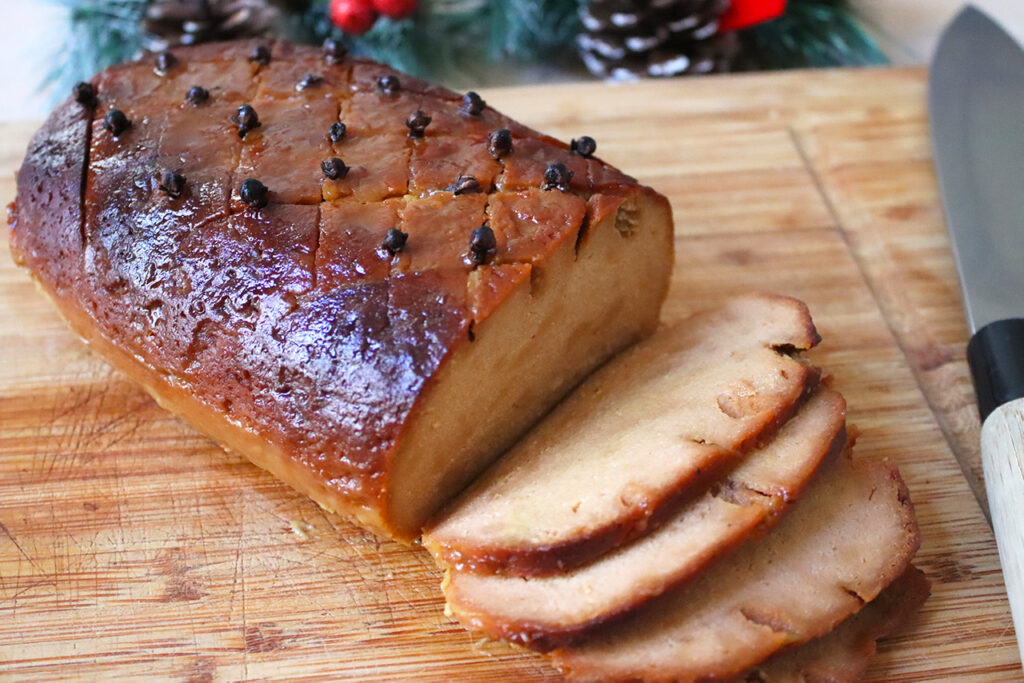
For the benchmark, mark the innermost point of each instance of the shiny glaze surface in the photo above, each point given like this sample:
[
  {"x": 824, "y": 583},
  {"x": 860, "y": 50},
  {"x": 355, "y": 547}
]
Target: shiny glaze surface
[{"x": 290, "y": 319}]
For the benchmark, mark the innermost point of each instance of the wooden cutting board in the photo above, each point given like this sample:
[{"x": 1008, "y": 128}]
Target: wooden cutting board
[{"x": 132, "y": 546}]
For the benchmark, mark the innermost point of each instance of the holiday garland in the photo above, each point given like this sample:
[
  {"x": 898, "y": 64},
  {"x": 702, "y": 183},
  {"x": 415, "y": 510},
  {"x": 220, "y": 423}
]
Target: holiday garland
[{"x": 447, "y": 40}]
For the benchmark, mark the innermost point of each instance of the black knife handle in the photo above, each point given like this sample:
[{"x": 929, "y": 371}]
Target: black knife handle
[{"x": 996, "y": 357}]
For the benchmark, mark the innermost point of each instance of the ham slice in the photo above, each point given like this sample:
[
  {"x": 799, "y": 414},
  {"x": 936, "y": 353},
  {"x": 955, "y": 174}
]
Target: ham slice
[
  {"x": 842, "y": 655},
  {"x": 612, "y": 460},
  {"x": 542, "y": 612},
  {"x": 848, "y": 539}
]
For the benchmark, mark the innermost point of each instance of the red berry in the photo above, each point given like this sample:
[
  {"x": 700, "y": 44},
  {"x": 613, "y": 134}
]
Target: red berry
[
  {"x": 354, "y": 17},
  {"x": 395, "y": 9},
  {"x": 744, "y": 13}
]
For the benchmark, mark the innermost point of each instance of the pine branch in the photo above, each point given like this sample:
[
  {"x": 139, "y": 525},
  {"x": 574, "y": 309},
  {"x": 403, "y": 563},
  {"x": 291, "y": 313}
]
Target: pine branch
[
  {"x": 530, "y": 28},
  {"x": 101, "y": 33},
  {"x": 458, "y": 40},
  {"x": 812, "y": 33},
  {"x": 451, "y": 37}
]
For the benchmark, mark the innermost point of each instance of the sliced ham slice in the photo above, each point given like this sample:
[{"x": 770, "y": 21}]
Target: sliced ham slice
[
  {"x": 542, "y": 612},
  {"x": 849, "y": 538},
  {"x": 607, "y": 462},
  {"x": 842, "y": 655}
]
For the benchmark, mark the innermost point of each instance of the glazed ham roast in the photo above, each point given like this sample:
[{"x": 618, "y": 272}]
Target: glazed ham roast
[
  {"x": 372, "y": 287},
  {"x": 369, "y": 285}
]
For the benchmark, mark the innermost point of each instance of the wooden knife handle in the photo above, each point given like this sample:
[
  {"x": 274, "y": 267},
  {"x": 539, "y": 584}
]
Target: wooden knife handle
[
  {"x": 996, "y": 356},
  {"x": 1002, "y": 455}
]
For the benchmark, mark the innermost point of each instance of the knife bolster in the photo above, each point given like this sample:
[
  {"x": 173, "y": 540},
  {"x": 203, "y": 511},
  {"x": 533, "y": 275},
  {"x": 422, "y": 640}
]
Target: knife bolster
[{"x": 996, "y": 356}]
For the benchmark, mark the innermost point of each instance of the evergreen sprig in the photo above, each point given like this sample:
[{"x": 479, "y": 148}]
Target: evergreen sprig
[
  {"x": 102, "y": 33},
  {"x": 812, "y": 33},
  {"x": 448, "y": 39},
  {"x": 459, "y": 40},
  {"x": 529, "y": 28}
]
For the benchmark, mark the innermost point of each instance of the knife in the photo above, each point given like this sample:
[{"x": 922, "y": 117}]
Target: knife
[{"x": 976, "y": 106}]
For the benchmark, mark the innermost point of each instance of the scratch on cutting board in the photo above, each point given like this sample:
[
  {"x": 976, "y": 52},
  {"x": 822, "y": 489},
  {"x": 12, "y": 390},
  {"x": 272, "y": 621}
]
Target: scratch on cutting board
[
  {"x": 182, "y": 587},
  {"x": 7, "y": 532},
  {"x": 77, "y": 425},
  {"x": 239, "y": 582},
  {"x": 59, "y": 410},
  {"x": 35, "y": 584},
  {"x": 129, "y": 417},
  {"x": 198, "y": 515},
  {"x": 327, "y": 518},
  {"x": 379, "y": 571}
]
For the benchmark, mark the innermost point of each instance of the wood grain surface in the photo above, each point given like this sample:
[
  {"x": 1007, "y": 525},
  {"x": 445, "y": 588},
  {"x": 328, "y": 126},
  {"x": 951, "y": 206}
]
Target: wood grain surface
[
  {"x": 130, "y": 546},
  {"x": 1002, "y": 453}
]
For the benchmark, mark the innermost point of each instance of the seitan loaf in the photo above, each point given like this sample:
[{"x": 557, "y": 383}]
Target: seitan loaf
[{"x": 368, "y": 285}]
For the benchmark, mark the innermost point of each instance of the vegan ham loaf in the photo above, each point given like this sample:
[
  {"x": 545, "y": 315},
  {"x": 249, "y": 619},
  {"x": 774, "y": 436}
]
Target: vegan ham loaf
[
  {"x": 369, "y": 285},
  {"x": 372, "y": 287}
]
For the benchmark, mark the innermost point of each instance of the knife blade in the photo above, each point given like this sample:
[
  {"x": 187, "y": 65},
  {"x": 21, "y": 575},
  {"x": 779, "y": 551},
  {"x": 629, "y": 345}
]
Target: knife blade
[{"x": 976, "y": 106}]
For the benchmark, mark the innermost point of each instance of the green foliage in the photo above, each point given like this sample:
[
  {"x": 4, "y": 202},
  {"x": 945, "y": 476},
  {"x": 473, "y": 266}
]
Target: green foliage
[
  {"x": 101, "y": 33},
  {"x": 531, "y": 28},
  {"x": 812, "y": 33},
  {"x": 461, "y": 39},
  {"x": 446, "y": 37}
]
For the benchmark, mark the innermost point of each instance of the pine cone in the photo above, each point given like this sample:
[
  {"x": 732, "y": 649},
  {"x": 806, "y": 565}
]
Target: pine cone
[
  {"x": 629, "y": 39},
  {"x": 168, "y": 23}
]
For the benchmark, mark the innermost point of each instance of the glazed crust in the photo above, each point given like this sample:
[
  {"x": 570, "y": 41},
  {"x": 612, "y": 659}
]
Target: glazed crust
[{"x": 289, "y": 324}]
